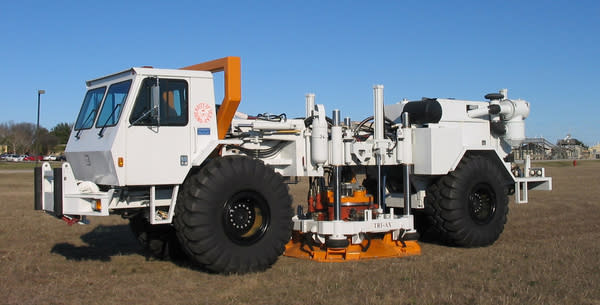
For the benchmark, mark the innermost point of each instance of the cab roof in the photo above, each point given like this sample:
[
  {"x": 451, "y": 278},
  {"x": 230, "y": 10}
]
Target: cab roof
[{"x": 149, "y": 72}]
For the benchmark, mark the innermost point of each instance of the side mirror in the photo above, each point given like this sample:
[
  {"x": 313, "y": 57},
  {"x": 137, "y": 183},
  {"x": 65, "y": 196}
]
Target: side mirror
[{"x": 155, "y": 99}]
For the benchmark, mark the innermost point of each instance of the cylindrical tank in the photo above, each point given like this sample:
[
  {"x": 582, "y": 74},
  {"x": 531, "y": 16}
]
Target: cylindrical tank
[
  {"x": 319, "y": 148},
  {"x": 513, "y": 113},
  {"x": 515, "y": 133}
]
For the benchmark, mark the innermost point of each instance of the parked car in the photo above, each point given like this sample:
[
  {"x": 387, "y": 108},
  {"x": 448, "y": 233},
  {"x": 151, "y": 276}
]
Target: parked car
[
  {"x": 50, "y": 158},
  {"x": 10, "y": 157},
  {"x": 33, "y": 158},
  {"x": 16, "y": 158},
  {"x": 3, "y": 156}
]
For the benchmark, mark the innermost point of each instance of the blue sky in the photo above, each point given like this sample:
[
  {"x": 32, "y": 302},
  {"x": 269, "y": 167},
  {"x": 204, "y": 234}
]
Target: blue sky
[{"x": 546, "y": 52}]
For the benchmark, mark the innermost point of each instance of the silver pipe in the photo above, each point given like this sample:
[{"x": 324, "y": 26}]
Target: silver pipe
[
  {"x": 382, "y": 191},
  {"x": 378, "y": 115},
  {"x": 379, "y": 184},
  {"x": 405, "y": 120},
  {"x": 337, "y": 203},
  {"x": 348, "y": 122},
  {"x": 406, "y": 171},
  {"x": 310, "y": 104},
  {"x": 336, "y": 117}
]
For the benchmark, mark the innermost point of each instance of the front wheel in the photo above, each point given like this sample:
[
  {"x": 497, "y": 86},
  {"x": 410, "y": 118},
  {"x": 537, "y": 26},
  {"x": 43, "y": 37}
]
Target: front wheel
[
  {"x": 159, "y": 241},
  {"x": 468, "y": 207},
  {"x": 234, "y": 215}
]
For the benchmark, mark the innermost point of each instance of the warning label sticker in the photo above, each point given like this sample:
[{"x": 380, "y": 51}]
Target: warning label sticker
[{"x": 203, "y": 113}]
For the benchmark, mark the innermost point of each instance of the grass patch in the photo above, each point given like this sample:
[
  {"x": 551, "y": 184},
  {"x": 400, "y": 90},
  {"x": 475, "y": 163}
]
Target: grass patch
[
  {"x": 547, "y": 254},
  {"x": 564, "y": 163},
  {"x": 24, "y": 165},
  {"x": 17, "y": 165}
]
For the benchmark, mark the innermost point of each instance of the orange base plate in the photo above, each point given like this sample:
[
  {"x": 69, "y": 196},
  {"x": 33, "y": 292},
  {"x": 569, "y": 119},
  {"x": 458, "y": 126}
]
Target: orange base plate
[{"x": 378, "y": 248}]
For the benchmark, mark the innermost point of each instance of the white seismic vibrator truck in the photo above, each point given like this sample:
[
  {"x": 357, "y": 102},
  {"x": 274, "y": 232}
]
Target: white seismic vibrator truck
[{"x": 200, "y": 179}]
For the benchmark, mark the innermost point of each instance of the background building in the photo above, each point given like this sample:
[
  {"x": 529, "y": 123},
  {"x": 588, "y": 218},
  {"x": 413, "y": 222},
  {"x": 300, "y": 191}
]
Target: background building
[
  {"x": 595, "y": 151},
  {"x": 567, "y": 148}
]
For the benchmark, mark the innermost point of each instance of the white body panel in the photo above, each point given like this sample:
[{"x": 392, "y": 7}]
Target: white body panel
[
  {"x": 436, "y": 150},
  {"x": 158, "y": 158}
]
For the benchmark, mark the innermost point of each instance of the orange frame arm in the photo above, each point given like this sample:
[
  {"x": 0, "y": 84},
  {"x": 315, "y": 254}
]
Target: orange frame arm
[{"x": 233, "y": 88}]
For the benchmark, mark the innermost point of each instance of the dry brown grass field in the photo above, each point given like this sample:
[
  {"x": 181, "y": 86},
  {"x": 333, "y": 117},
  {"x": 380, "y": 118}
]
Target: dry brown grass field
[{"x": 549, "y": 253}]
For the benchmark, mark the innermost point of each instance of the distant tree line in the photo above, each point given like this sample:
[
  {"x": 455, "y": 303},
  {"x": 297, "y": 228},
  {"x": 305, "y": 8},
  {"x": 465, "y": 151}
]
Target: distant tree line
[{"x": 21, "y": 137}]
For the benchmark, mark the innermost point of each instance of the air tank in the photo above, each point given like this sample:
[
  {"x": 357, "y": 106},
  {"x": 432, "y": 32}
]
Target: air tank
[{"x": 319, "y": 147}]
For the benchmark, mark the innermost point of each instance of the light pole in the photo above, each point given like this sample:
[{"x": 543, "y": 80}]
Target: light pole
[{"x": 37, "y": 128}]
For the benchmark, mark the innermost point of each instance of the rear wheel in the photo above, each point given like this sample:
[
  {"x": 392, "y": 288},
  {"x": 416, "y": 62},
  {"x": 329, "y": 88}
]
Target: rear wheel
[
  {"x": 468, "y": 207},
  {"x": 234, "y": 215}
]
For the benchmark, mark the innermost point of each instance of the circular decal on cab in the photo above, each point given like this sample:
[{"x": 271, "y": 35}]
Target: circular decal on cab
[{"x": 203, "y": 113}]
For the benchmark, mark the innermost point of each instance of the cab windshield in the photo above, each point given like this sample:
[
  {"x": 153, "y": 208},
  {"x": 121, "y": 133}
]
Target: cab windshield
[
  {"x": 113, "y": 104},
  {"x": 89, "y": 109}
]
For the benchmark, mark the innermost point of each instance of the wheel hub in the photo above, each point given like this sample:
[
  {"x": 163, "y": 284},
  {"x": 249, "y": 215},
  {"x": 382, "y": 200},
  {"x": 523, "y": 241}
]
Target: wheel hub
[
  {"x": 241, "y": 216},
  {"x": 482, "y": 204},
  {"x": 246, "y": 217}
]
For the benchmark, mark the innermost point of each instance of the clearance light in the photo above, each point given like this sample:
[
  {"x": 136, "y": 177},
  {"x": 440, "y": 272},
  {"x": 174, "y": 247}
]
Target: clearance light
[
  {"x": 98, "y": 205},
  {"x": 120, "y": 161}
]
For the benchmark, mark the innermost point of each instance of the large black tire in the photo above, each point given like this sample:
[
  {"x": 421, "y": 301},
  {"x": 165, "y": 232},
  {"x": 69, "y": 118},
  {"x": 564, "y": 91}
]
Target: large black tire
[
  {"x": 160, "y": 241},
  {"x": 467, "y": 207},
  {"x": 234, "y": 215}
]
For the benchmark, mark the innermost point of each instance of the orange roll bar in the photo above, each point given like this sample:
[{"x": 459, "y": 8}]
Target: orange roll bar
[{"x": 233, "y": 88}]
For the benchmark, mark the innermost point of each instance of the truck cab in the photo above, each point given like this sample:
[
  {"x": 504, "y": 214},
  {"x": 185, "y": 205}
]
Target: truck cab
[{"x": 136, "y": 128}]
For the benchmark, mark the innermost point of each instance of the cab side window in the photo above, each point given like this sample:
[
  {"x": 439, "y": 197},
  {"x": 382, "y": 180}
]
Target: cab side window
[{"x": 173, "y": 103}]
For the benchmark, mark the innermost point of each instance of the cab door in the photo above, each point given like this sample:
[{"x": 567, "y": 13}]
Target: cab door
[{"x": 158, "y": 136}]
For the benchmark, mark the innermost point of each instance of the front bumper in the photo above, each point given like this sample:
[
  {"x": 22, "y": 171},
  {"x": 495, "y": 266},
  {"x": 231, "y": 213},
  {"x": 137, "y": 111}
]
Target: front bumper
[{"x": 58, "y": 193}]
